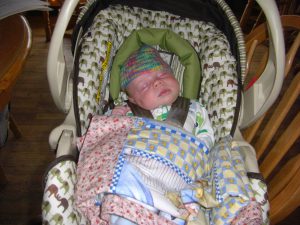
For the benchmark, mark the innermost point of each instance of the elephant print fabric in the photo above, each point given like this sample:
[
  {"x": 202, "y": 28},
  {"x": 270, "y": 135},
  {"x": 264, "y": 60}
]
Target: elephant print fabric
[{"x": 57, "y": 205}]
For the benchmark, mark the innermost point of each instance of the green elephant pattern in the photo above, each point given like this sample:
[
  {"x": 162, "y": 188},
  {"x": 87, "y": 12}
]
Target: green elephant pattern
[{"x": 57, "y": 205}]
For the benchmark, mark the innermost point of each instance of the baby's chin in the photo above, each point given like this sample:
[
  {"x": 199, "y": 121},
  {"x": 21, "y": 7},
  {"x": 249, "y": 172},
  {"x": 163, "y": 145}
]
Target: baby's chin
[{"x": 162, "y": 103}]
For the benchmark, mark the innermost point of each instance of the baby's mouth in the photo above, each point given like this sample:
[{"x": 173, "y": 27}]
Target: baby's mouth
[{"x": 164, "y": 92}]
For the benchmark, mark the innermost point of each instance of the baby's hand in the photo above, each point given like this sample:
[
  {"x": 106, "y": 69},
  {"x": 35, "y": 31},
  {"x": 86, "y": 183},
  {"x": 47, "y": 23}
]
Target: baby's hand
[{"x": 120, "y": 110}]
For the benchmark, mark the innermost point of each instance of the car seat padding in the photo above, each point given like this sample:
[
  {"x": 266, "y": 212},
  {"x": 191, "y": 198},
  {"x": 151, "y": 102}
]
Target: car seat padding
[{"x": 169, "y": 41}]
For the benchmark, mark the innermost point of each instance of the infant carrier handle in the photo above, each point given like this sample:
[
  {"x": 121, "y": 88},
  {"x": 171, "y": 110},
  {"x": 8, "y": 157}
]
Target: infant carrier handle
[
  {"x": 259, "y": 98},
  {"x": 58, "y": 76}
]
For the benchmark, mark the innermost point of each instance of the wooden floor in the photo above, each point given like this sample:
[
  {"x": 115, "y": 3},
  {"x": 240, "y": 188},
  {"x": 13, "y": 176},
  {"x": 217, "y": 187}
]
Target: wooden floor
[{"x": 25, "y": 160}]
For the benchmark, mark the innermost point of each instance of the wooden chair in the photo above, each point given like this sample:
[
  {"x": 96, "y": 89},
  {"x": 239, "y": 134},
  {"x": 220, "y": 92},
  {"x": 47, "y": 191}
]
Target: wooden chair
[
  {"x": 275, "y": 135},
  {"x": 252, "y": 15}
]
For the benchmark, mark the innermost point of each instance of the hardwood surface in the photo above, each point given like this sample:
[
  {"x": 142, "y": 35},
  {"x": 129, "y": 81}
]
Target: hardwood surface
[{"x": 25, "y": 160}]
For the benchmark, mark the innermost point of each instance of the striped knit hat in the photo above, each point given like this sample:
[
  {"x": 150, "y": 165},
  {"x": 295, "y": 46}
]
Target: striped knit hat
[{"x": 142, "y": 61}]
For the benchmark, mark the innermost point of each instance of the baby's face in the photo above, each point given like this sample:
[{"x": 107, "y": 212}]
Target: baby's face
[{"x": 154, "y": 89}]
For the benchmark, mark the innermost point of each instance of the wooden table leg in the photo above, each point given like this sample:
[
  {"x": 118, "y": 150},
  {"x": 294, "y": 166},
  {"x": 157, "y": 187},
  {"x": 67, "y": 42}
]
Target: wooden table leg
[
  {"x": 47, "y": 25},
  {"x": 13, "y": 127},
  {"x": 3, "y": 179}
]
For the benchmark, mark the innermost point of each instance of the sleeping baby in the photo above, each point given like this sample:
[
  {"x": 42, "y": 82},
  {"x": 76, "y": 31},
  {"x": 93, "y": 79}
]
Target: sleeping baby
[{"x": 151, "y": 85}]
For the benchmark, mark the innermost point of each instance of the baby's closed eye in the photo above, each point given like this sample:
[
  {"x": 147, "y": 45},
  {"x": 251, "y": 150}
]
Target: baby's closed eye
[{"x": 143, "y": 86}]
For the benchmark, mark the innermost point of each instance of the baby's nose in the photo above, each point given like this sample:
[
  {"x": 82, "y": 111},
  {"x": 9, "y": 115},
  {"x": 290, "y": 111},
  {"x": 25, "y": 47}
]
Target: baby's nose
[{"x": 157, "y": 83}]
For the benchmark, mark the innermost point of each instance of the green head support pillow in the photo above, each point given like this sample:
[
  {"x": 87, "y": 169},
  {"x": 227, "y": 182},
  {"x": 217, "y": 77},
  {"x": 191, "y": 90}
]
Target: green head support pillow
[{"x": 167, "y": 40}]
